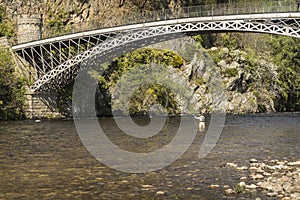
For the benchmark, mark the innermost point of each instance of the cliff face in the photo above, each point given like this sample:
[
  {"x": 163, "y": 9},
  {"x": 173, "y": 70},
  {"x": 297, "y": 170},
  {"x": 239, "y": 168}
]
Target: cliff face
[
  {"x": 83, "y": 13},
  {"x": 249, "y": 81},
  {"x": 84, "y": 8},
  {"x": 67, "y": 12}
]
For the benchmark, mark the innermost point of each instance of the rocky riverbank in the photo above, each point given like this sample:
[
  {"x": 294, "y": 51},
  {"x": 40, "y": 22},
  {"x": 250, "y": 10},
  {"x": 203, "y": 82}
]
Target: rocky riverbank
[{"x": 275, "y": 178}]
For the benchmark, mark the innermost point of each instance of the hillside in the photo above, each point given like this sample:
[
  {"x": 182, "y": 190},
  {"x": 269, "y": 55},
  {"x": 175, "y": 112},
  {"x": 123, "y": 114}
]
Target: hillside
[{"x": 261, "y": 73}]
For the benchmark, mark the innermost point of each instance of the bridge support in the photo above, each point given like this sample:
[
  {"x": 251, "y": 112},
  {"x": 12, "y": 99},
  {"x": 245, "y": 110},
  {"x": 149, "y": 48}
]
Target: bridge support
[
  {"x": 29, "y": 27},
  {"x": 39, "y": 106}
]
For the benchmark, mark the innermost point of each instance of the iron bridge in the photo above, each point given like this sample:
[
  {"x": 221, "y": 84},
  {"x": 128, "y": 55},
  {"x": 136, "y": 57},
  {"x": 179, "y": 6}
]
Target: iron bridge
[{"x": 56, "y": 60}]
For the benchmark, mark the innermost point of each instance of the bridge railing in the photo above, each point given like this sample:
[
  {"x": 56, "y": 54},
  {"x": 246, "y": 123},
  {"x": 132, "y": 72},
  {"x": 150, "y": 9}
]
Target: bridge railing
[{"x": 183, "y": 12}]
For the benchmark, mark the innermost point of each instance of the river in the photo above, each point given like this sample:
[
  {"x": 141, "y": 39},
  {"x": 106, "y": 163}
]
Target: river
[{"x": 47, "y": 160}]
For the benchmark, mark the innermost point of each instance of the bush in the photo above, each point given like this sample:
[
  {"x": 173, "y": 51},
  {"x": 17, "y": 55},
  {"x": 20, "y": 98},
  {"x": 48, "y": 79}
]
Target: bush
[
  {"x": 146, "y": 95},
  {"x": 11, "y": 88},
  {"x": 230, "y": 72},
  {"x": 7, "y": 27},
  {"x": 286, "y": 56}
]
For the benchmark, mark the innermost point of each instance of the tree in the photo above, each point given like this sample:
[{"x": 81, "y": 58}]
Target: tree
[
  {"x": 286, "y": 54},
  {"x": 11, "y": 88},
  {"x": 7, "y": 27}
]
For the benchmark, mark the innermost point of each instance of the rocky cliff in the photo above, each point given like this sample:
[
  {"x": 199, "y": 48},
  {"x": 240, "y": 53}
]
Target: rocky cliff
[
  {"x": 247, "y": 80},
  {"x": 75, "y": 15}
]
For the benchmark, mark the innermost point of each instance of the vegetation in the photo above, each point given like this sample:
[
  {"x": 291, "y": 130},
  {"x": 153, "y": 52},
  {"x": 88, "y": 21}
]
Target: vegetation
[
  {"x": 146, "y": 95},
  {"x": 283, "y": 51},
  {"x": 230, "y": 72},
  {"x": 56, "y": 22},
  {"x": 7, "y": 27},
  {"x": 239, "y": 189},
  {"x": 11, "y": 85},
  {"x": 64, "y": 100},
  {"x": 286, "y": 55},
  {"x": 165, "y": 4},
  {"x": 11, "y": 88}
]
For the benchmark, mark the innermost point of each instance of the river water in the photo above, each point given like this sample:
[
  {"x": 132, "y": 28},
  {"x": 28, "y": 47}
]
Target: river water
[{"x": 47, "y": 160}]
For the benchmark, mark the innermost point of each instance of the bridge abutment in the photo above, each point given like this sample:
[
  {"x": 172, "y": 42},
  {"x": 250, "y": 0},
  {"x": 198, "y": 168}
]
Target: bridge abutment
[{"x": 39, "y": 106}]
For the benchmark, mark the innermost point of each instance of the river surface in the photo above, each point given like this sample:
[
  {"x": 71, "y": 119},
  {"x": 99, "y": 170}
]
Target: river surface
[{"x": 47, "y": 160}]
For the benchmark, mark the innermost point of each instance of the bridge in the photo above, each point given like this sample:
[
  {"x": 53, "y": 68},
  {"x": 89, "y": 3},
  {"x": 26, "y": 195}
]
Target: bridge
[{"x": 56, "y": 59}]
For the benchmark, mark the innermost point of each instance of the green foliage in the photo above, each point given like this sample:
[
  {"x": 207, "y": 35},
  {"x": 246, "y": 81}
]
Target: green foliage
[
  {"x": 199, "y": 81},
  {"x": 251, "y": 57},
  {"x": 239, "y": 189},
  {"x": 286, "y": 55},
  {"x": 57, "y": 22},
  {"x": 150, "y": 95},
  {"x": 230, "y": 72},
  {"x": 208, "y": 40},
  {"x": 7, "y": 27},
  {"x": 64, "y": 99},
  {"x": 140, "y": 57},
  {"x": 198, "y": 39},
  {"x": 216, "y": 55},
  {"x": 147, "y": 95},
  {"x": 228, "y": 40},
  {"x": 243, "y": 41},
  {"x": 11, "y": 88}
]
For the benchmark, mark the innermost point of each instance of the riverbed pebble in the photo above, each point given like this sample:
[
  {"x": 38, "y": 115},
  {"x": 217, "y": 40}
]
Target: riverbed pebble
[
  {"x": 242, "y": 184},
  {"x": 214, "y": 186},
  {"x": 272, "y": 194},
  {"x": 229, "y": 191},
  {"x": 251, "y": 187},
  {"x": 160, "y": 193},
  {"x": 242, "y": 168},
  {"x": 297, "y": 163},
  {"x": 231, "y": 165},
  {"x": 253, "y": 160},
  {"x": 257, "y": 176}
]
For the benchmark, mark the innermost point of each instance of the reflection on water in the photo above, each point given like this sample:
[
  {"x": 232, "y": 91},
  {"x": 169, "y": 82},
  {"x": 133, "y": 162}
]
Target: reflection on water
[{"x": 48, "y": 161}]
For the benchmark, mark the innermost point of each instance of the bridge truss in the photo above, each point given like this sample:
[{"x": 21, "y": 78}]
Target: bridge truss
[{"x": 57, "y": 60}]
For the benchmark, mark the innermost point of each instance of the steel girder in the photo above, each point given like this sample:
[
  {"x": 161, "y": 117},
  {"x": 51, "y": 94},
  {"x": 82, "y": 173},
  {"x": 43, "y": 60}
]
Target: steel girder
[{"x": 57, "y": 63}]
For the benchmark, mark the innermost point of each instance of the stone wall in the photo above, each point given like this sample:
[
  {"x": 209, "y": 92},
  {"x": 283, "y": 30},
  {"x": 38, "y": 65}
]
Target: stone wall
[{"x": 39, "y": 106}]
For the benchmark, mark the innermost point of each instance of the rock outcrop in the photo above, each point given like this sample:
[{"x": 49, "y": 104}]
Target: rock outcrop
[{"x": 248, "y": 84}]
